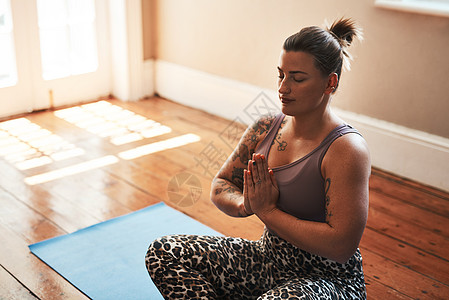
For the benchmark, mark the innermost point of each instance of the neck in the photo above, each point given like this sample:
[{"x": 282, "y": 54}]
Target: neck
[{"x": 313, "y": 125}]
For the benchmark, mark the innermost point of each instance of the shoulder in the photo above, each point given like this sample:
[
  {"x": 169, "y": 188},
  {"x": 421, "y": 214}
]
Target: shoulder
[
  {"x": 232, "y": 169},
  {"x": 351, "y": 143},
  {"x": 263, "y": 124},
  {"x": 257, "y": 131},
  {"x": 253, "y": 135},
  {"x": 348, "y": 153}
]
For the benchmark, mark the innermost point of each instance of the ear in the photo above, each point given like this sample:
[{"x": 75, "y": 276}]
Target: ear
[{"x": 332, "y": 84}]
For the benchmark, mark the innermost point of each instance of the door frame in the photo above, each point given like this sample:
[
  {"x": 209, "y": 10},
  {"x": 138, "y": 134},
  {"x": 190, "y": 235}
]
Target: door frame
[{"x": 130, "y": 76}]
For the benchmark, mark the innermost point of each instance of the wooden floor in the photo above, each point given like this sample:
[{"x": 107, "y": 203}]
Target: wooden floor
[{"x": 405, "y": 246}]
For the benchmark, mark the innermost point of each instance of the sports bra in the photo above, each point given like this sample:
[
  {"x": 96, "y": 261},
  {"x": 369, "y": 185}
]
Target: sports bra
[{"x": 301, "y": 185}]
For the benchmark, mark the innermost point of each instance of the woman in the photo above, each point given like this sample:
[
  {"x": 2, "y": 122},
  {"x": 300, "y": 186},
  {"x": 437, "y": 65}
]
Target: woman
[{"x": 304, "y": 173}]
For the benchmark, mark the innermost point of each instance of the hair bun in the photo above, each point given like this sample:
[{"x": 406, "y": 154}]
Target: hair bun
[{"x": 345, "y": 31}]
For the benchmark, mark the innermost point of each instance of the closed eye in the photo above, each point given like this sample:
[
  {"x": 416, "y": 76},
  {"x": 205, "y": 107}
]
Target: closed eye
[{"x": 280, "y": 73}]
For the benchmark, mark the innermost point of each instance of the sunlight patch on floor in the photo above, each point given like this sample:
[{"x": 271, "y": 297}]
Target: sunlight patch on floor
[
  {"x": 159, "y": 146},
  {"x": 72, "y": 170},
  {"x": 106, "y": 120},
  {"x": 27, "y": 145},
  {"x": 112, "y": 159}
]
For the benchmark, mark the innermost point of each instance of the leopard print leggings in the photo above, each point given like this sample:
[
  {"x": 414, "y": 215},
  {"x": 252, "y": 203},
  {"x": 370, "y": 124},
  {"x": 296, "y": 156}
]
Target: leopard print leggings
[{"x": 210, "y": 267}]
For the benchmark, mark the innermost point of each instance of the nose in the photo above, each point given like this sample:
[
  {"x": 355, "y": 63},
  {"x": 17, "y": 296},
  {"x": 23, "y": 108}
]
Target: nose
[{"x": 283, "y": 87}]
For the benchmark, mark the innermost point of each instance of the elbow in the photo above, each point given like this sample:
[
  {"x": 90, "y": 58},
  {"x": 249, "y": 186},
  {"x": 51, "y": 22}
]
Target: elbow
[
  {"x": 342, "y": 249},
  {"x": 345, "y": 246},
  {"x": 213, "y": 193},
  {"x": 216, "y": 190},
  {"x": 343, "y": 258},
  {"x": 343, "y": 253}
]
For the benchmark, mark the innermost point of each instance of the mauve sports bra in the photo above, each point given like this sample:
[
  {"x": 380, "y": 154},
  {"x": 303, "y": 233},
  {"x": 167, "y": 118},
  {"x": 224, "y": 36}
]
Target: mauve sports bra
[{"x": 301, "y": 184}]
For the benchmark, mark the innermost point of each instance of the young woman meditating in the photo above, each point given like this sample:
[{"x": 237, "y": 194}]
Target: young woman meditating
[{"x": 304, "y": 173}]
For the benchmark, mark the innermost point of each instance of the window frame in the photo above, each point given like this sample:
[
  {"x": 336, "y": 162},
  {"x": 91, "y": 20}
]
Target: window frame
[{"x": 428, "y": 7}]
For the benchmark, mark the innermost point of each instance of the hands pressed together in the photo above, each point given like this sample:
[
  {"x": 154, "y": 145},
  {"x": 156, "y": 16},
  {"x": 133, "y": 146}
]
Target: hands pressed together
[{"x": 260, "y": 189}]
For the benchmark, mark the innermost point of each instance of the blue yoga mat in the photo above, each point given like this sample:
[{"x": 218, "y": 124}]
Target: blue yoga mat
[{"x": 107, "y": 260}]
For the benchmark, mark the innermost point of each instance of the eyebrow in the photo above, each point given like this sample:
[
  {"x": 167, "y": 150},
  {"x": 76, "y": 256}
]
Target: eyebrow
[{"x": 293, "y": 72}]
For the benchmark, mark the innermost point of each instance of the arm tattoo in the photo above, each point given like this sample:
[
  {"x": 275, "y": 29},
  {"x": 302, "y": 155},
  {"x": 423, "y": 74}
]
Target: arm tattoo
[
  {"x": 242, "y": 154},
  {"x": 263, "y": 125},
  {"x": 237, "y": 177},
  {"x": 260, "y": 127},
  {"x": 253, "y": 133},
  {"x": 327, "y": 212},
  {"x": 226, "y": 187}
]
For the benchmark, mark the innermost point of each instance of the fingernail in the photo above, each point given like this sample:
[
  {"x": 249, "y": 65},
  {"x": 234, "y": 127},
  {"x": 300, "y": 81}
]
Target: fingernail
[{"x": 254, "y": 162}]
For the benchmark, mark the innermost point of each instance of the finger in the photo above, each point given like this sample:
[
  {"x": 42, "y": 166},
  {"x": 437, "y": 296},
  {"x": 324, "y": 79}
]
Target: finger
[
  {"x": 245, "y": 183},
  {"x": 273, "y": 179},
  {"x": 265, "y": 163},
  {"x": 264, "y": 166},
  {"x": 254, "y": 164},
  {"x": 254, "y": 172},
  {"x": 249, "y": 166},
  {"x": 261, "y": 172},
  {"x": 246, "y": 206},
  {"x": 249, "y": 178},
  {"x": 251, "y": 171}
]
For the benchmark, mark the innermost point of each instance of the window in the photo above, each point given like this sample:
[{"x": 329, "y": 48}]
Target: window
[
  {"x": 67, "y": 37},
  {"x": 430, "y": 7},
  {"x": 8, "y": 69}
]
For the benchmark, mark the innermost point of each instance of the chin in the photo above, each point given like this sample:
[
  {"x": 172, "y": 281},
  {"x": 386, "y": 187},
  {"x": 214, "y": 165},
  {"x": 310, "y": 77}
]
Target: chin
[{"x": 286, "y": 111}]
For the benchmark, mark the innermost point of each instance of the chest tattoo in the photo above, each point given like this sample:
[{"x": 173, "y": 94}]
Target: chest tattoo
[{"x": 281, "y": 144}]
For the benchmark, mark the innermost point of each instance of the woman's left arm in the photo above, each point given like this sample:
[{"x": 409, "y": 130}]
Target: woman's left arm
[{"x": 346, "y": 169}]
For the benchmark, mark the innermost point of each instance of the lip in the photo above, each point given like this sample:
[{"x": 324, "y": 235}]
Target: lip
[{"x": 286, "y": 100}]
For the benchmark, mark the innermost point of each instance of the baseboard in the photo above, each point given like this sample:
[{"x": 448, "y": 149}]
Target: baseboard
[
  {"x": 217, "y": 95},
  {"x": 148, "y": 78},
  {"x": 413, "y": 154},
  {"x": 410, "y": 153}
]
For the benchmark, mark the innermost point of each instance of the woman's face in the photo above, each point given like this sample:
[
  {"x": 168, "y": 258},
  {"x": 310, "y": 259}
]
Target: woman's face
[{"x": 302, "y": 88}]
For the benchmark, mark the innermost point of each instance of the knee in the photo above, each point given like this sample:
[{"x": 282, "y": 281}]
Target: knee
[
  {"x": 164, "y": 249},
  {"x": 156, "y": 246},
  {"x": 169, "y": 244},
  {"x": 155, "y": 254}
]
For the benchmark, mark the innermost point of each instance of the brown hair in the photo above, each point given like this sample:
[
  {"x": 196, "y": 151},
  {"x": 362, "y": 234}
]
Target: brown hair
[{"x": 328, "y": 46}]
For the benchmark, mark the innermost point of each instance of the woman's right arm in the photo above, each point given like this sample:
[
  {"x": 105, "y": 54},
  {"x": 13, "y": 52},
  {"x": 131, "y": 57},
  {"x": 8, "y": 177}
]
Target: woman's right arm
[{"x": 227, "y": 186}]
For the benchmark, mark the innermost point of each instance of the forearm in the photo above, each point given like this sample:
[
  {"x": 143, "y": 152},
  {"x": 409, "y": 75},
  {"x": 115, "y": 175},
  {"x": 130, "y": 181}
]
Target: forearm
[
  {"x": 314, "y": 237},
  {"x": 227, "y": 197}
]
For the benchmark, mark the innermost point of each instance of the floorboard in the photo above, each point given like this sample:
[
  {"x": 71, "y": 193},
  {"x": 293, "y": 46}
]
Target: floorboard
[{"x": 10, "y": 288}]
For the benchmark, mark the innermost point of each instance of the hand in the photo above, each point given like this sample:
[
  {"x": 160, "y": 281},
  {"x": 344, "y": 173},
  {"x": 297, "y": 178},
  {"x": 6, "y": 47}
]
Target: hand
[{"x": 260, "y": 189}]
